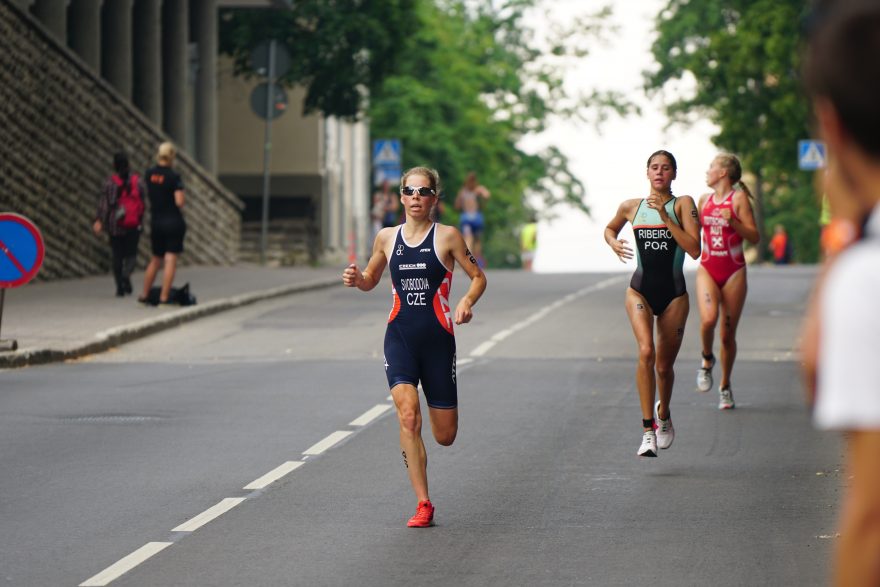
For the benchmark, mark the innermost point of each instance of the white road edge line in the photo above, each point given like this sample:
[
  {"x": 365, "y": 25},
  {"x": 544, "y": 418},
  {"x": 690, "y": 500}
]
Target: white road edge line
[
  {"x": 327, "y": 443},
  {"x": 209, "y": 514},
  {"x": 370, "y": 415},
  {"x": 125, "y": 564},
  {"x": 274, "y": 475},
  {"x": 486, "y": 346}
]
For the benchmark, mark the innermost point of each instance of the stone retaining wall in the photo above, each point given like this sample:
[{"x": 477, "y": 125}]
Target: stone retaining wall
[{"x": 59, "y": 127}]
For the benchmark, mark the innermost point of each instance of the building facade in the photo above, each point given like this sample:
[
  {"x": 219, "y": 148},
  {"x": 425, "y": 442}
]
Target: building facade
[{"x": 162, "y": 57}]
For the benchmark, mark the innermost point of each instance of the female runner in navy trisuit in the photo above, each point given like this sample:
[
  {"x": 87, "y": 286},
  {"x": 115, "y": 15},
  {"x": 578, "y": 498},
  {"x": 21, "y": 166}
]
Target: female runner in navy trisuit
[
  {"x": 419, "y": 339},
  {"x": 665, "y": 227}
]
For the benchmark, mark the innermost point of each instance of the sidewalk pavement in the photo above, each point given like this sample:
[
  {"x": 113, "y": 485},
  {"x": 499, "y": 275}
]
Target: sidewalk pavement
[{"x": 71, "y": 318}]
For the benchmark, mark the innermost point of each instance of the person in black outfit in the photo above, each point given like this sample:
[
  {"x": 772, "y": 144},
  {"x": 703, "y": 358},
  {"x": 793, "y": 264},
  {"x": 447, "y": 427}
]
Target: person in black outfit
[
  {"x": 167, "y": 226},
  {"x": 123, "y": 241}
]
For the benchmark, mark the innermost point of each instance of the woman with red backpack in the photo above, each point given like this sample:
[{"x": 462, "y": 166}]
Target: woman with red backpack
[{"x": 120, "y": 213}]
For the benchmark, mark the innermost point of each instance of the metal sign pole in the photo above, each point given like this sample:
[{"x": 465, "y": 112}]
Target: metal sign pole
[
  {"x": 5, "y": 345},
  {"x": 267, "y": 151}
]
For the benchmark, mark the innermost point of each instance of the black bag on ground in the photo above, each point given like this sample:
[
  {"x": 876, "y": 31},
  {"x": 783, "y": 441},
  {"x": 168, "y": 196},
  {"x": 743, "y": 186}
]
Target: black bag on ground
[{"x": 180, "y": 296}]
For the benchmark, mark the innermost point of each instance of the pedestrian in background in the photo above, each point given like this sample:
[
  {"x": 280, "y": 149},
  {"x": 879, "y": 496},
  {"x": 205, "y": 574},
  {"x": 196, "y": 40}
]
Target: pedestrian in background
[
  {"x": 844, "y": 82},
  {"x": 390, "y": 206},
  {"x": 528, "y": 239},
  {"x": 167, "y": 225},
  {"x": 471, "y": 220},
  {"x": 665, "y": 228},
  {"x": 419, "y": 337},
  {"x": 727, "y": 220},
  {"x": 779, "y": 246},
  {"x": 120, "y": 214},
  {"x": 377, "y": 210}
]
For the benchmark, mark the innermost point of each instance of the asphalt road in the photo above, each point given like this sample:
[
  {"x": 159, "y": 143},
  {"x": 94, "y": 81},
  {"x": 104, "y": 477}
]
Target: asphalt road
[{"x": 128, "y": 452}]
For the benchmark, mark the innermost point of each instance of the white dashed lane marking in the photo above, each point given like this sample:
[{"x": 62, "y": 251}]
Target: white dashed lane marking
[
  {"x": 125, "y": 564},
  {"x": 328, "y": 442},
  {"x": 274, "y": 475},
  {"x": 370, "y": 415},
  {"x": 209, "y": 514}
]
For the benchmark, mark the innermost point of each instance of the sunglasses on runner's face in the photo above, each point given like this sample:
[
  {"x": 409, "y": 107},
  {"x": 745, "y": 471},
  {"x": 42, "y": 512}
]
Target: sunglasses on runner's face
[{"x": 422, "y": 191}]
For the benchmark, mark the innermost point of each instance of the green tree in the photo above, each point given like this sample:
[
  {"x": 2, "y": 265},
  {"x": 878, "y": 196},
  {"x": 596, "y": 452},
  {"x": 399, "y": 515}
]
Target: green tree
[
  {"x": 744, "y": 57},
  {"x": 338, "y": 48},
  {"x": 470, "y": 84}
]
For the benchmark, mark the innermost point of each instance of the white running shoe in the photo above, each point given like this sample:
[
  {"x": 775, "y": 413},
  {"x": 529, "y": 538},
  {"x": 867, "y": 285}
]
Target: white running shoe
[
  {"x": 704, "y": 377},
  {"x": 649, "y": 444},
  {"x": 725, "y": 399},
  {"x": 663, "y": 428}
]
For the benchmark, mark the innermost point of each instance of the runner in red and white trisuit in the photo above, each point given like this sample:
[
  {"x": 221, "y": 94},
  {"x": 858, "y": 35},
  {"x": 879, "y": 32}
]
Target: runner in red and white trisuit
[{"x": 727, "y": 219}]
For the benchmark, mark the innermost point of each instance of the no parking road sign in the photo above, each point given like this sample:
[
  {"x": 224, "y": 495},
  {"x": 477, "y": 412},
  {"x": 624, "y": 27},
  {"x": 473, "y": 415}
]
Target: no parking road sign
[
  {"x": 21, "y": 250},
  {"x": 21, "y": 256}
]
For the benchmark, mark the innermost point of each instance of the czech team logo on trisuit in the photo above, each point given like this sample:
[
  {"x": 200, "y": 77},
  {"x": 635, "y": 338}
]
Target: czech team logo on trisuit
[{"x": 441, "y": 304}]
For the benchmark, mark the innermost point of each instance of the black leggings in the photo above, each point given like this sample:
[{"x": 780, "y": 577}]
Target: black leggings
[{"x": 124, "y": 249}]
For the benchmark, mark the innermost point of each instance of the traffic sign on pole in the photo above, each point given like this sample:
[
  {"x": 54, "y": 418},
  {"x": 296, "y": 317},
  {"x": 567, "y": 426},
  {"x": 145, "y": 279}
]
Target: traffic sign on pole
[
  {"x": 21, "y": 256},
  {"x": 386, "y": 152},
  {"x": 386, "y": 172},
  {"x": 386, "y": 161},
  {"x": 21, "y": 250},
  {"x": 269, "y": 51},
  {"x": 812, "y": 155},
  {"x": 265, "y": 106}
]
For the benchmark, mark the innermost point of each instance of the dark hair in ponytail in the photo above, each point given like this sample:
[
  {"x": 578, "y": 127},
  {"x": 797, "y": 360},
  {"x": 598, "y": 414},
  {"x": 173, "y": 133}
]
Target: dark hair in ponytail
[
  {"x": 666, "y": 154},
  {"x": 120, "y": 164},
  {"x": 672, "y": 162}
]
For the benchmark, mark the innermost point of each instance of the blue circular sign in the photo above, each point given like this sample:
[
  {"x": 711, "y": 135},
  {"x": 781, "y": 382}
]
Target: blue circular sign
[{"x": 21, "y": 250}]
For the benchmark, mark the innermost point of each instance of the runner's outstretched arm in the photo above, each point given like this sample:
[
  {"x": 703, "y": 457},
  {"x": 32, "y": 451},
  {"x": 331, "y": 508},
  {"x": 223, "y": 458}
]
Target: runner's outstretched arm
[
  {"x": 368, "y": 278},
  {"x": 460, "y": 252}
]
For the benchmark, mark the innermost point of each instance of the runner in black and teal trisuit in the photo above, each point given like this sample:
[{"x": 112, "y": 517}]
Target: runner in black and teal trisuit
[
  {"x": 659, "y": 257},
  {"x": 665, "y": 227}
]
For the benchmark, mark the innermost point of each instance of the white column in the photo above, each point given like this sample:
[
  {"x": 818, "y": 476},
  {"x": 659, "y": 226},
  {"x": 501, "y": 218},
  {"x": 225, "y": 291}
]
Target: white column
[
  {"x": 116, "y": 50},
  {"x": 175, "y": 65},
  {"x": 53, "y": 14},
  {"x": 147, "y": 84},
  {"x": 85, "y": 31},
  {"x": 205, "y": 28}
]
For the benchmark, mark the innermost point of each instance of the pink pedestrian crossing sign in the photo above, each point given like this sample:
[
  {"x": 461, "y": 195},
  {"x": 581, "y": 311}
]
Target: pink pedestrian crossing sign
[{"x": 21, "y": 250}]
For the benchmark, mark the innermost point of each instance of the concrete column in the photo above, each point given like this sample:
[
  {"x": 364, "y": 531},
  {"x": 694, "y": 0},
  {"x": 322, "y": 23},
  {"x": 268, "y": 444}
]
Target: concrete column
[
  {"x": 204, "y": 17},
  {"x": 85, "y": 31},
  {"x": 175, "y": 63},
  {"x": 147, "y": 82},
  {"x": 116, "y": 50},
  {"x": 53, "y": 14}
]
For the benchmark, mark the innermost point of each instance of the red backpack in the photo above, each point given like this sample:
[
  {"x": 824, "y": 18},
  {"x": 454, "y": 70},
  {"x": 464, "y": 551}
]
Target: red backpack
[{"x": 129, "y": 203}]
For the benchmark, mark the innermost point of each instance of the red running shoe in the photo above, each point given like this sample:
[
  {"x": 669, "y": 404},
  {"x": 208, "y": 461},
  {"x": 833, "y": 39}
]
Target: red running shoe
[{"x": 424, "y": 515}]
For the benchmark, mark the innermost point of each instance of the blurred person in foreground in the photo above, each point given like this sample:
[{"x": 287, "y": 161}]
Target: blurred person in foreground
[{"x": 843, "y": 79}]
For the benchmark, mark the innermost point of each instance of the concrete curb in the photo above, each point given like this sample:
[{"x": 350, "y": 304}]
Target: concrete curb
[{"x": 119, "y": 335}]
